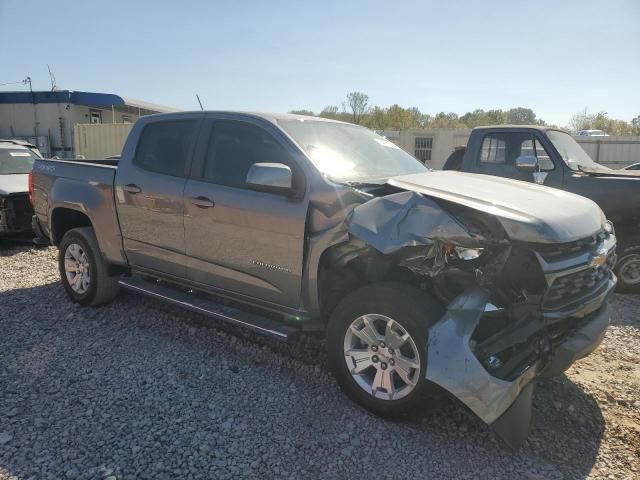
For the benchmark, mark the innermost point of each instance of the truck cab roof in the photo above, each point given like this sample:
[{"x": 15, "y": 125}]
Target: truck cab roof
[
  {"x": 541, "y": 128},
  {"x": 268, "y": 116}
]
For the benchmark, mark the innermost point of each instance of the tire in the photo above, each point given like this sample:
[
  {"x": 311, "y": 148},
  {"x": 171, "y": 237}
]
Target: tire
[
  {"x": 628, "y": 267},
  {"x": 100, "y": 288},
  {"x": 410, "y": 309}
]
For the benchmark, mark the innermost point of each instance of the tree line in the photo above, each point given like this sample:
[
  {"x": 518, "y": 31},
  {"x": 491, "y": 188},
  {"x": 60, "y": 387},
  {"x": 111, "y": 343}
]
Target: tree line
[{"x": 357, "y": 109}]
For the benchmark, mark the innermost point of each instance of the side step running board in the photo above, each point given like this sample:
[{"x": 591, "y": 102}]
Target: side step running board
[{"x": 208, "y": 307}]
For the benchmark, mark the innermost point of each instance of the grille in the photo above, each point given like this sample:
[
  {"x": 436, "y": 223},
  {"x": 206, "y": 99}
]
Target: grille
[
  {"x": 587, "y": 244},
  {"x": 576, "y": 286}
]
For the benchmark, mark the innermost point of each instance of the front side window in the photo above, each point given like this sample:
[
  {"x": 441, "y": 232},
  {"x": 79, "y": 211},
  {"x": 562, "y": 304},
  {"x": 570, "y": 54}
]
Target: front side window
[
  {"x": 346, "y": 152},
  {"x": 16, "y": 161},
  {"x": 534, "y": 147},
  {"x": 233, "y": 147},
  {"x": 165, "y": 146}
]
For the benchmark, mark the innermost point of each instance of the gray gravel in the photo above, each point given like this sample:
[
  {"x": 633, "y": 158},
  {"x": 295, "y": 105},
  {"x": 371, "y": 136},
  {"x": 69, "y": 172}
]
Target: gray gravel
[{"x": 139, "y": 390}]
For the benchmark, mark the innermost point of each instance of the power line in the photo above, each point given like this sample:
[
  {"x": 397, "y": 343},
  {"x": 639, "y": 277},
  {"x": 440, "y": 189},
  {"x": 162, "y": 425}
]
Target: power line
[{"x": 13, "y": 83}]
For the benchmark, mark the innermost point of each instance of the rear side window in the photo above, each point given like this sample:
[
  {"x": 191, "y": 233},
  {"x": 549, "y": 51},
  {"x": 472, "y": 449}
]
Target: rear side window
[
  {"x": 233, "y": 147},
  {"x": 165, "y": 147},
  {"x": 493, "y": 150}
]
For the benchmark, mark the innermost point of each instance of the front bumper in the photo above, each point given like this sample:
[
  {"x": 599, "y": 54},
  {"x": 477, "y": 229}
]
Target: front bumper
[
  {"x": 452, "y": 364},
  {"x": 587, "y": 336}
]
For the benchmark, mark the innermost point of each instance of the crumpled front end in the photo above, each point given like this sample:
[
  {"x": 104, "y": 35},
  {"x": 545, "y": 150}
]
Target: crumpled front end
[
  {"x": 15, "y": 214},
  {"x": 514, "y": 310}
]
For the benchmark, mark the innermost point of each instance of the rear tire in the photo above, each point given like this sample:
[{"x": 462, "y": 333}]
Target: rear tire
[
  {"x": 628, "y": 267},
  {"x": 385, "y": 375},
  {"x": 83, "y": 269}
]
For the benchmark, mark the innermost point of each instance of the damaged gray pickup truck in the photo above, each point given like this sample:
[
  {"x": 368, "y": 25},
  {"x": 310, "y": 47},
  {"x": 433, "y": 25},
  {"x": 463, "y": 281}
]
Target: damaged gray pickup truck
[{"x": 286, "y": 224}]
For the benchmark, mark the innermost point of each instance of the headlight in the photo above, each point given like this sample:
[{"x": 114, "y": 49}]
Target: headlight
[
  {"x": 464, "y": 253},
  {"x": 608, "y": 227}
]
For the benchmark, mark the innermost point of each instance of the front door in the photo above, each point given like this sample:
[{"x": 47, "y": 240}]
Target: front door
[
  {"x": 499, "y": 151},
  {"x": 149, "y": 196},
  {"x": 238, "y": 240}
]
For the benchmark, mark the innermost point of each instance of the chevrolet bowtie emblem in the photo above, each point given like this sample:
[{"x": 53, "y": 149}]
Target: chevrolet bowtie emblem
[{"x": 599, "y": 259}]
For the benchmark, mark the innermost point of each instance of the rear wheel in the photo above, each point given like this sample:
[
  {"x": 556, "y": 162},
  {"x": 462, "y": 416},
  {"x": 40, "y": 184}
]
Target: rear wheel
[
  {"x": 83, "y": 270},
  {"x": 376, "y": 342},
  {"x": 628, "y": 268}
]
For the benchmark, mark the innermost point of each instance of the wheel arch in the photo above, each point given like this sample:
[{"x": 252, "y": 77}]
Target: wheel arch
[
  {"x": 64, "y": 219},
  {"x": 346, "y": 267}
]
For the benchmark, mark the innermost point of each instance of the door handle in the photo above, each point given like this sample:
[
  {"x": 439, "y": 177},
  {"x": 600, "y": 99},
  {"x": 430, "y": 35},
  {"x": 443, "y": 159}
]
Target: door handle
[
  {"x": 202, "y": 202},
  {"x": 132, "y": 188}
]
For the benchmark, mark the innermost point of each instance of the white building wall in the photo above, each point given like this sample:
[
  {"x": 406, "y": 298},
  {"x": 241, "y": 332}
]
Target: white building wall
[{"x": 55, "y": 120}]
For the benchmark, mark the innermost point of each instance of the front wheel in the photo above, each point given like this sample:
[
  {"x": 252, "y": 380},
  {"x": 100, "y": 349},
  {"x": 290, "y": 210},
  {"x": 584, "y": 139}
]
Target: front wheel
[
  {"x": 83, "y": 270},
  {"x": 628, "y": 268},
  {"x": 376, "y": 342}
]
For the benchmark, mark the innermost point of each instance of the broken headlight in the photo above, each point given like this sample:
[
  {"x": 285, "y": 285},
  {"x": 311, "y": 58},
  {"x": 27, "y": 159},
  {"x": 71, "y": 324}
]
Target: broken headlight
[
  {"x": 608, "y": 227},
  {"x": 464, "y": 253}
]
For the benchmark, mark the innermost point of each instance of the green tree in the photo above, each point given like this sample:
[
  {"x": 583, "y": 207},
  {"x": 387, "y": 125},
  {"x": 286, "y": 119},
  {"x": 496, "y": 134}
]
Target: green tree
[
  {"x": 331, "y": 111},
  {"x": 601, "y": 121},
  {"x": 303, "y": 112},
  {"x": 358, "y": 104},
  {"x": 520, "y": 116},
  {"x": 481, "y": 117},
  {"x": 635, "y": 125},
  {"x": 444, "y": 120}
]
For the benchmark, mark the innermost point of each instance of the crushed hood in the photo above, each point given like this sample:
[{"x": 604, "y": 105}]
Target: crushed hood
[
  {"x": 14, "y": 183},
  {"x": 528, "y": 212}
]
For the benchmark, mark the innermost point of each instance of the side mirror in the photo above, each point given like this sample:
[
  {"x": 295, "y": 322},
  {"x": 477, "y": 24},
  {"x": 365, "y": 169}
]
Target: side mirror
[
  {"x": 527, "y": 163},
  {"x": 270, "y": 177}
]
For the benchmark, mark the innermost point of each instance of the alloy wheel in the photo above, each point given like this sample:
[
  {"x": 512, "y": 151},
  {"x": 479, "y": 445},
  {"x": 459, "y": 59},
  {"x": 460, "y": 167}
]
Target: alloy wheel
[
  {"x": 382, "y": 357},
  {"x": 77, "y": 268}
]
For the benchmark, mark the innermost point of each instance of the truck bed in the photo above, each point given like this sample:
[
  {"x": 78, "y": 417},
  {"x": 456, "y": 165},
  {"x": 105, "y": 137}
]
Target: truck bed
[{"x": 82, "y": 186}]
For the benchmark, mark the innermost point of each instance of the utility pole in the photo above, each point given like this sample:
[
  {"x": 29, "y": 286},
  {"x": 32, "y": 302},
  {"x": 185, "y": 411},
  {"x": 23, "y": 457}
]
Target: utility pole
[{"x": 35, "y": 109}]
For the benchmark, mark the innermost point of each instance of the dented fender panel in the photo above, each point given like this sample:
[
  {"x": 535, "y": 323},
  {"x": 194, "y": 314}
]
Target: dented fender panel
[{"x": 406, "y": 219}]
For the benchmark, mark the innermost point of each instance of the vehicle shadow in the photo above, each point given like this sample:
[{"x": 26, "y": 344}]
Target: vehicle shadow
[
  {"x": 11, "y": 246},
  {"x": 68, "y": 372}
]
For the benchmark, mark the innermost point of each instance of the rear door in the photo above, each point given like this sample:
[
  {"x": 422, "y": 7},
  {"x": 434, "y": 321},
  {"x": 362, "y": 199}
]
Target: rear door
[
  {"x": 238, "y": 240},
  {"x": 149, "y": 195},
  {"x": 500, "y": 149}
]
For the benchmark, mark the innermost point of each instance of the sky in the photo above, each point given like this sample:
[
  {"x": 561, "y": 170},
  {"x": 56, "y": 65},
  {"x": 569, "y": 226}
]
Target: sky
[{"x": 556, "y": 57}]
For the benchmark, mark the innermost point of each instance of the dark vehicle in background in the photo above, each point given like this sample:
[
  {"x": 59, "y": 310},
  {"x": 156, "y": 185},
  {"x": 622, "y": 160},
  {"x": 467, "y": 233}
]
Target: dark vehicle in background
[
  {"x": 551, "y": 157},
  {"x": 287, "y": 224},
  {"x": 634, "y": 166},
  {"x": 16, "y": 161}
]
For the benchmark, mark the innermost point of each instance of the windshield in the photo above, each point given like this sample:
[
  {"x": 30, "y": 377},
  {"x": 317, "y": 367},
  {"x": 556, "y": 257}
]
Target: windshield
[
  {"x": 15, "y": 161},
  {"x": 347, "y": 152},
  {"x": 569, "y": 149}
]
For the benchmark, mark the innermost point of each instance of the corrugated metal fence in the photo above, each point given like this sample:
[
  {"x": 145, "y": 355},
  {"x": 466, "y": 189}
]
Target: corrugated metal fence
[
  {"x": 614, "y": 152},
  {"x": 100, "y": 140}
]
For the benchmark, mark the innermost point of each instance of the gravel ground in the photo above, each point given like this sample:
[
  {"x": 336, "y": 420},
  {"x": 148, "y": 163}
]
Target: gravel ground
[{"x": 139, "y": 390}]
